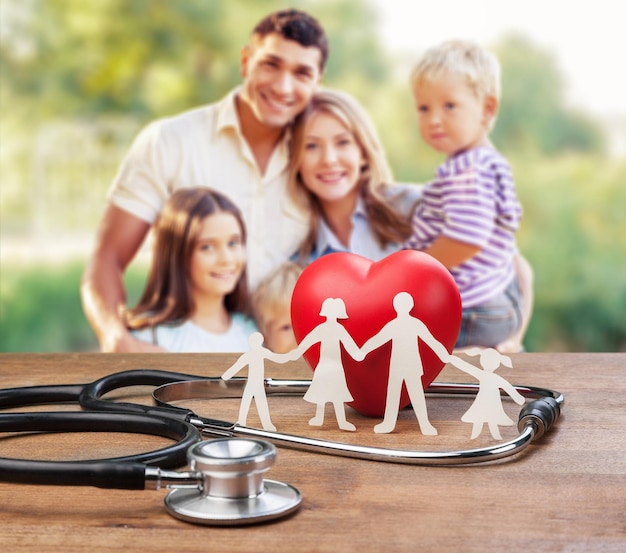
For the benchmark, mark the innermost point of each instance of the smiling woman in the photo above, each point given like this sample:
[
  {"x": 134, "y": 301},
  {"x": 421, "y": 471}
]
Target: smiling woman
[
  {"x": 196, "y": 295},
  {"x": 339, "y": 173}
]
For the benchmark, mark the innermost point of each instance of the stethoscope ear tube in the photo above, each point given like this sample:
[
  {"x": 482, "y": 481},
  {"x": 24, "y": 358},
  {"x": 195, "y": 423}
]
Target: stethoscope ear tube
[
  {"x": 126, "y": 472},
  {"x": 40, "y": 395},
  {"x": 541, "y": 414},
  {"x": 90, "y": 395}
]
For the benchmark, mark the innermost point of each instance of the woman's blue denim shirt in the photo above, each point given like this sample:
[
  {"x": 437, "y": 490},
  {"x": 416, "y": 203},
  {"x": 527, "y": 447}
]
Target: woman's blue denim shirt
[{"x": 363, "y": 241}]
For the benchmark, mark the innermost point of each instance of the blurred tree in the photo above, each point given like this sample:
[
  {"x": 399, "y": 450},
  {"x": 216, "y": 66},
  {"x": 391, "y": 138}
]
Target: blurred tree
[
  {"x": 574, "y": 235},
  {"x": 139, "y": 57},
  {"x": 67, "y": 62},
  {"x": 77, "y": 60},
  {"x": 153, "y": 57},
  {"x": 532, "y": 111}
]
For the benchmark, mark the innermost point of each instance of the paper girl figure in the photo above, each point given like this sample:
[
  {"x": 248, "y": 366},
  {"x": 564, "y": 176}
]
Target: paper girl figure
[
  {"x": 255, "y": 385},
  {"x": 405, "y": 364},
  {"x": 487, "y": 407},
  {"x": 329, "y": 380}
]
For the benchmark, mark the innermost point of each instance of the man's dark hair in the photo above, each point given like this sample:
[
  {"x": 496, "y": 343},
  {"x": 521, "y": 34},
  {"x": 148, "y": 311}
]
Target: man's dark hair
[{"x": 297, "y": 26}]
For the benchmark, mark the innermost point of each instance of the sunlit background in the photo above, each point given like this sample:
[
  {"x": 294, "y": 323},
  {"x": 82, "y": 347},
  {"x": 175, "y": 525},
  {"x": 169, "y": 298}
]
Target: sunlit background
[
  {"x": 587, "y": 41},
  {"x": 80, "y": 77}
]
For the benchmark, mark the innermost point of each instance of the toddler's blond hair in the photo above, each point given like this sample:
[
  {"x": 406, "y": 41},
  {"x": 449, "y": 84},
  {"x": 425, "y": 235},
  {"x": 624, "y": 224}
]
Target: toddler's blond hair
[
  {"x": 480, "y": 67},
  {"x": 273, "y": 292}
]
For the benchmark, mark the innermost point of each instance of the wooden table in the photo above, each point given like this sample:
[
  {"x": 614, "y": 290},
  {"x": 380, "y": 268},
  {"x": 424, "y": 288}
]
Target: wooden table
[{"x": 564, "y": 493}]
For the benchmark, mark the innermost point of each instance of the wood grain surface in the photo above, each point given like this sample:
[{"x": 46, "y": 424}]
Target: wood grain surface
[{"x": 566, "y": 492}]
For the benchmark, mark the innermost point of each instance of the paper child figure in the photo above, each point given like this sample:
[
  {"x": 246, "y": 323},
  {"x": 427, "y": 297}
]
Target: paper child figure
[
  {"x": 255, "y": 385},
  {"x": 487, "y": 407},
  {"x": 328, "y": 384},
  {"x": 405, "y": 365}
]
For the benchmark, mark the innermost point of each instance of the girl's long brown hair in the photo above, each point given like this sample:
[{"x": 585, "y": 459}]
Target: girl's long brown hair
[
  {"x": 386, "y": 222},
  {"x": 167, "y": 296}
]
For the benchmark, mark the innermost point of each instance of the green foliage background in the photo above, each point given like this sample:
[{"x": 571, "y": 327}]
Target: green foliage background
[{"x": 80, "y": 77}]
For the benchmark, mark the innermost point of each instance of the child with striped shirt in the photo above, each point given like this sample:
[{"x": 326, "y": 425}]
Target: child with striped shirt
[{"x": 469, "y": 213}]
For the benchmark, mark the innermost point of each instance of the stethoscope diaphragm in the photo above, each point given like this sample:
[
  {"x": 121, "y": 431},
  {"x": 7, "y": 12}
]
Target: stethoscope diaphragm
[{"x": 232, "y": 490}]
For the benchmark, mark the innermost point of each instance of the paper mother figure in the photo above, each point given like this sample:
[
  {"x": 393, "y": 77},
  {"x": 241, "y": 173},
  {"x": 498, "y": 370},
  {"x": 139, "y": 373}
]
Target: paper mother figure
[{"x": 328, "y": 384}]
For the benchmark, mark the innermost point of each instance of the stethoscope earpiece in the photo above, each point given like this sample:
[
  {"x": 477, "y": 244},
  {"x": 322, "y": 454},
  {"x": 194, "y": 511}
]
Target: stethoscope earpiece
[{"x": 232, "y": 489}]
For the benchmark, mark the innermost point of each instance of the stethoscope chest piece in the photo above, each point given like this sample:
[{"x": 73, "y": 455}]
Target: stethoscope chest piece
[{"x": 233, "y": 490}]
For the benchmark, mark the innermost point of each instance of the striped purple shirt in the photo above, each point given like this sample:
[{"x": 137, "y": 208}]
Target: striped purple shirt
[{"x": 472, "y": 200}]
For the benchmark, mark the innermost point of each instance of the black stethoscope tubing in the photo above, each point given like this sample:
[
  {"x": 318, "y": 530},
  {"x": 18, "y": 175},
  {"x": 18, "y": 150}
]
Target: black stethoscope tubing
[
  {"x": 126, "y": 472},
  {"x": 182, "y": 425}
]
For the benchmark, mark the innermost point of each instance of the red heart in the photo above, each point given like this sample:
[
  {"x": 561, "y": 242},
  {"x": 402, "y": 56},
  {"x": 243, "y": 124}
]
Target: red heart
[{"x": 368, "y": 289}]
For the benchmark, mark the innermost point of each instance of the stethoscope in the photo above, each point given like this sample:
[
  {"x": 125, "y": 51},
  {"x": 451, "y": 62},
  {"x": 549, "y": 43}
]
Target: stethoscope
[{"x": 224, "y": 484}]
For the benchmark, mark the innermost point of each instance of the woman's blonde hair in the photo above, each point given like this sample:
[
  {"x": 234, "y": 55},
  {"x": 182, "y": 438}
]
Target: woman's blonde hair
[{"x": 387, "y": 223}]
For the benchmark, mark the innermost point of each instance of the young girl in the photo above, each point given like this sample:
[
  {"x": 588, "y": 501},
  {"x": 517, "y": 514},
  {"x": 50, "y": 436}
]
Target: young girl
[
  {"x": 469, "y": 213},
  {"x": 339, "y": 173},
  {"x": 196, "y": 294}
]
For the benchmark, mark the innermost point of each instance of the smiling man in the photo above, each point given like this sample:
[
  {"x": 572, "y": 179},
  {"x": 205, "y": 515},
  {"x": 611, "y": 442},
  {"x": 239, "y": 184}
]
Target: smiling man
[{"x": 238, "y": 146}]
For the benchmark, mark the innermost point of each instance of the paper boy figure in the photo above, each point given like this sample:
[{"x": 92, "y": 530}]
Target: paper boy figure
[{"x": 255, "y": 385}]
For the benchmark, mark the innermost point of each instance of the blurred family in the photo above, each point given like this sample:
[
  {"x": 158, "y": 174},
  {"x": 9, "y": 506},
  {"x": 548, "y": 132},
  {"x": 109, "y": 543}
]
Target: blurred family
[
  {"x": 243, "y": 193},
  {"x": 238, "y": 146}
]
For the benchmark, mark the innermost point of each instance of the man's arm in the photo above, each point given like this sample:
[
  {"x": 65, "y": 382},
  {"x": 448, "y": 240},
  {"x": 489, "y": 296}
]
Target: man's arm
[
  {"x": 426, "y": 335},
  {"x": 103, "y": 294},
  {"x": 376, "y": 341},
  {"x": 466, "y": 367}
]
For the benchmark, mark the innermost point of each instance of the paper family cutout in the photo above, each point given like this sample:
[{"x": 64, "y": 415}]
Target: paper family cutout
[
  {"x": 328, "y": 384},
  {"x": 254, "y": 359}
]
